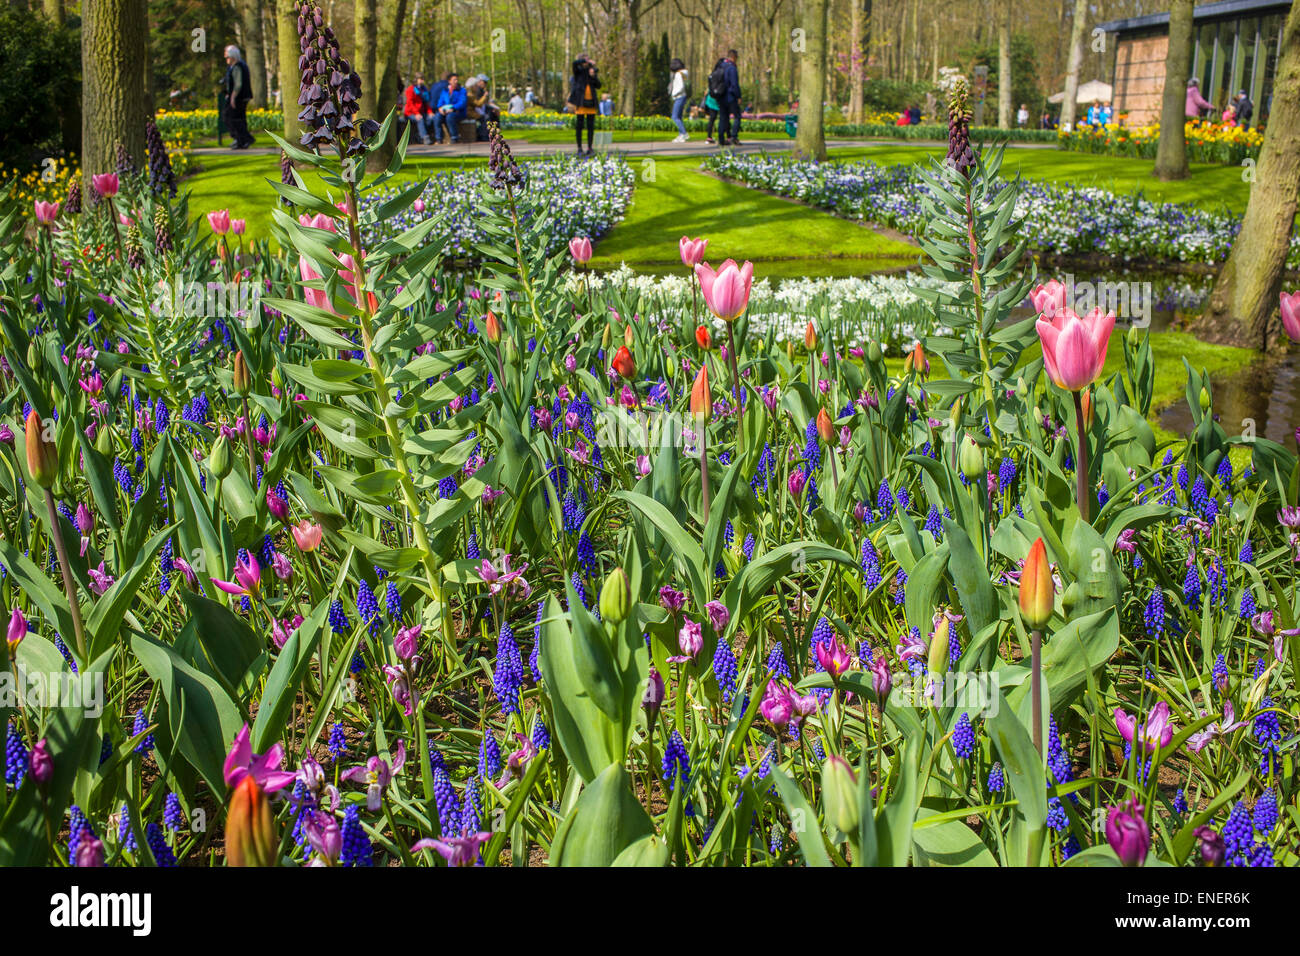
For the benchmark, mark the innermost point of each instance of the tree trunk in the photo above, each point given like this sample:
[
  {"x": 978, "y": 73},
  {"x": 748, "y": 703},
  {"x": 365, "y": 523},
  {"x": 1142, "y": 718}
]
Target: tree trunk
[
  {"x": 250, "y": 25},
  {"x": 628, "y": 51},
  {"x": 811, "y": 140},
  {"x": 1243, "y": 308},
  {"x": 54, "y": 12},
  {"x": 1004, "y": 64},
  {"x": 363, "y": 61},
  {"x": 286, "y": 32},
  {"x": 857, "y": 62},
  {"x": 392, "y": 15},
  {"x": 1171, "y": 150},
  {"x": 1078, "y": 30},
  {"x": 113, "y": 108}
]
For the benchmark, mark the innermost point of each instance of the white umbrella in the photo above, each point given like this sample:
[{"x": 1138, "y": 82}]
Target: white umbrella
[{"x": 1092, "y": 90}]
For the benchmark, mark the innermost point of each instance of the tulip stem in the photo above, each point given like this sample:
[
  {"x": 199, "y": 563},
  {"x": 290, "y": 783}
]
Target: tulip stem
[
  {"x": 252, "y": 454},
  {"x": 1036, "y": 687},
  {"x": 69, "y": 588},
  {"x": 1082, "y": 485},
  {"x": 735, "y": 378},
  {"x": 704, "y": 468}
]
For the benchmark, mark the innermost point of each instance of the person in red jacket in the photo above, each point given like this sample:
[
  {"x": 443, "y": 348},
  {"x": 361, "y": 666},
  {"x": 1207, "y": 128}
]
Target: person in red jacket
[{"x": 414, "y": 102}]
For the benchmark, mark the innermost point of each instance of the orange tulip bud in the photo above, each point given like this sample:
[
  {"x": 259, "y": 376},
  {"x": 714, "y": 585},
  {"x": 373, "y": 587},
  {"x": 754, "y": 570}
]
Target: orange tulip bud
[
  {"x": 492, "y": 327},
  {"x": 702, "y": 397},
  {"x": 810, "y": 337},
  {"x": 42, "y": 456},
  {"x": 628, "y": 337},
  {"x": 704, "y": 338},
  {"x": 251, "y": 838},
  {"x": 243, "y": 381},
  {"x": 825, "y": 427},
  {"x": 917, "y": 362},
  {"x": 1085, "y": 400},
  {"x": 1037, "y": 592}
]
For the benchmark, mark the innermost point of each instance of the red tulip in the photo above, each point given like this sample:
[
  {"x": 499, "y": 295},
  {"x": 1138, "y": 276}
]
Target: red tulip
[
  {"x": 704, "y": 338},
  {"x": 624, "y": 364}
]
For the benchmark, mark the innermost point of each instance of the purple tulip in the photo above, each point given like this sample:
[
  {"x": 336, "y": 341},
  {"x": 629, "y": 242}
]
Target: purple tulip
[
  {"x": 90, "y": 851},
  {"x": 1156, "y": 733},
  {"x": 690, "y": 639},
  {"x": 278, "y": 507},
  {"x": 671, "y": 599},
  {"x": 407, "y": 642},
  {"x": 881, "y": 679},
  {"x": 654, "y": 693},
  {"x": 17, "y": 629},
  {"x": 1127, "y": 832},
  {"x": 719, "y": 616},
  {"x": 248, "y": 575},
  {"x": 41, "y": 763},
  {"x": 460, "y": 850}
]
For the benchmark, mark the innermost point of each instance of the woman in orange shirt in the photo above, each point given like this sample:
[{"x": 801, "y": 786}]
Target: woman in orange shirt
[{"x": 583, "y": 97}]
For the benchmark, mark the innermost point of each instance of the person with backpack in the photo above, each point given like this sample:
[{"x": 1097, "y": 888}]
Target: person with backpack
[
  {"x": 583, "y": 91},
  {"x": 678, "y": 89},
  {"x": 724, "y": 87},
  {"x": 236, "y": 91}
]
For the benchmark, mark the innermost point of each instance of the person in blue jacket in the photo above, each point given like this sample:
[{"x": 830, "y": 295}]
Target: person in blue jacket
[
  {"x": 451, "y": 110},
  {"x": 729, "y": 102}
]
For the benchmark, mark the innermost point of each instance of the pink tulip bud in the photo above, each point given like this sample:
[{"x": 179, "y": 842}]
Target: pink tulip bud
[
  {"x": 692, "y": 251},
  {"x": 580, "y": 249}
]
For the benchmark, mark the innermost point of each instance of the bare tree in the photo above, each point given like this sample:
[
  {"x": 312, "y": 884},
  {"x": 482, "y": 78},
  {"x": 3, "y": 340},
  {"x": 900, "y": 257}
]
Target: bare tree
[
  {"x": 1078, "y": 30},
  {"x": 363, "y": 58},
  {"x": 1003, "y": 12},
  {"x": 811, "y": 140},
  {"x": 1243, "y": 308},
  {"x": 286, "y": 30},
  {"x": 1171, "y": 150},
  {"x": 250, "y": 30},
  {"x": 113, "y": 108}
]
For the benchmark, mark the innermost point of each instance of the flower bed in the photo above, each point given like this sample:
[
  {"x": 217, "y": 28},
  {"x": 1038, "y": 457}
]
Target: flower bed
[
  {"x": 569, "y": 196},
  {"x": 1059, "y": 220},
  {"x": 377, "y": 559},
  {"x": 203, "y": 122},
  {"x": 1206, "y": 142}
]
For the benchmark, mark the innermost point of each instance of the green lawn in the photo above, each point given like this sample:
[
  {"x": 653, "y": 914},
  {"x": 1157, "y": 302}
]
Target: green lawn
[
  {"x": 1209, "y": 186},
  {"x": 780, "y": 237}
]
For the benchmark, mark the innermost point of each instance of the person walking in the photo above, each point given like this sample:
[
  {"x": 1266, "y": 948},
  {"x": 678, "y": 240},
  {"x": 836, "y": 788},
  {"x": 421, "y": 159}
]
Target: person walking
[
  {"x": 584, "y": 88},
  {"x": 678, "y": 90},
  {"x": 1022, "y": 116},
  {"x": 236, "y": 91},
  {"x": 729, "y": 101},
  {"x": 1195, "y": 101}
]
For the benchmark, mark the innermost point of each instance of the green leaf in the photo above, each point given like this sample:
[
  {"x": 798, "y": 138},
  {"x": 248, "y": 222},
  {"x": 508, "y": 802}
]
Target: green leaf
[{"x": 604, "y": 823}]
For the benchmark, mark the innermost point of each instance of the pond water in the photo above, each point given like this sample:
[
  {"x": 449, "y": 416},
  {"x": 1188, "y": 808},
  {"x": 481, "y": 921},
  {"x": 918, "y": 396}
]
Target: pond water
[{"x": 1266, "y": 393}]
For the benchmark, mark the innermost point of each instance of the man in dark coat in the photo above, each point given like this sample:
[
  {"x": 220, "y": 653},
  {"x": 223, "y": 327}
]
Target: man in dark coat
[
  {"x": 236, "y": 91},
  {"x": 729, "y": 105}
]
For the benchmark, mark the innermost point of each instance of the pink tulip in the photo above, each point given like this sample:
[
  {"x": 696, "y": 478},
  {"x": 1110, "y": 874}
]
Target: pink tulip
[
  {"x": 306, "y": 535},
  {"x": 105, "y": 184},
  {"x": 237, "y": 226},
  {"x": 419, "y": 205},
  {"x": 219, "y": 220},
  {"x": 1049, "y": 299},
  {"x": 317, "y": 297},
  {"x": 778, "y": 705},
  {"x": 1291, "y": 314},
  {"x": 47, "y": 212},
  {"x": 692, "y": 251},
  {"x": 726, "y": 292},
  {"x": 248, "y": 576},
  {"x": 17, "y": 630},
  {"x": 1074, "y": 348},
  {"x": 580, "y": 249}
]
